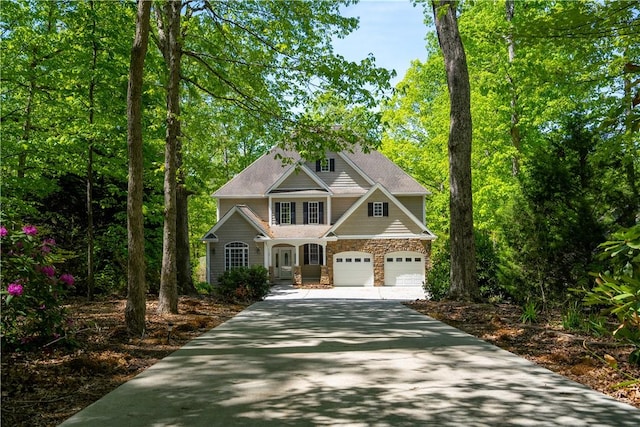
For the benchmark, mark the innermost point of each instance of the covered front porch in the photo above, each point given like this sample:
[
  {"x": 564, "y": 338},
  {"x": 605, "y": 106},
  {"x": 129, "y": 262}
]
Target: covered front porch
[{"x": 296, "y": 261}]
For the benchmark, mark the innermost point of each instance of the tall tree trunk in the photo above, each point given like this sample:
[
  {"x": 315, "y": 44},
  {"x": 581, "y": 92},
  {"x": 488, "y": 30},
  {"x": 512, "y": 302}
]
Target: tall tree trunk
[
  {"x": 515, "y": 118},
  {"x": 629, "y": 139},
  {"x": 184, "y": 273},
  {"x": 168, "y": 298},
  {"x": 92, "y": 86},
  {"x": 135, "y": 310},
  {"x": 463, "y": 257}
]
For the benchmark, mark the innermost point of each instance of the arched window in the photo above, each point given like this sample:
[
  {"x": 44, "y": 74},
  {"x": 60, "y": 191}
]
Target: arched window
[{"x": 236, "y": 254}]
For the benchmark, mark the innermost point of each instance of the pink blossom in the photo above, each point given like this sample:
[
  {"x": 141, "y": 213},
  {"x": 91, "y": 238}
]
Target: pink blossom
[
  {"x": 15, "y": 289},
  {"x": 68, "y": 279},
  {"x": 48, "y": 270},
  {"x": 3, "y": 231},
  {"x": 47, "y": 244},
  {"x": 30, "y": 230}
]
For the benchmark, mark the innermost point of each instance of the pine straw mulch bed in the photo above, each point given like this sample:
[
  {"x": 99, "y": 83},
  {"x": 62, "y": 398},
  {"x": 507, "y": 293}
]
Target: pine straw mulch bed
[
  {"x": 597, "y": 362},
  {"x": 43, "y": 388}
]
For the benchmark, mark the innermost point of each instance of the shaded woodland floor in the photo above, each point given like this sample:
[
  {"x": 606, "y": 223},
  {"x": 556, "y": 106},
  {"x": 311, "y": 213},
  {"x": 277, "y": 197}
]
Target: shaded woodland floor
[
  {"x": 597, "y": 362},
  {"x": 46, "y": 387}
]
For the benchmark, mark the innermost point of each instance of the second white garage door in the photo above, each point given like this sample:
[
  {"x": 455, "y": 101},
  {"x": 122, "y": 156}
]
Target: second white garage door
[
  {"x": 404, "y": 269},
  {"x": 353, "y": 269}
]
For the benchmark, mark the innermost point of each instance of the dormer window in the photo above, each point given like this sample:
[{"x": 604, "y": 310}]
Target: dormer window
[{"x": 326, "y": 165}]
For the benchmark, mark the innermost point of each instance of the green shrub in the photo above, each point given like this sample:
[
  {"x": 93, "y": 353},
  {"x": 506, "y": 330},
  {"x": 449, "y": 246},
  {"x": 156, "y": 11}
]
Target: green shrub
[
  {"x": 203, "y": 288},
  {"x": 617, "y": 288},
  {"x": 243, "y": 284},
  {"x": 438, "y": 280},
  {"x": 596, "y": 325},
  {"x": 529, "y": 313},
  {"x": 572, "y": 319}
]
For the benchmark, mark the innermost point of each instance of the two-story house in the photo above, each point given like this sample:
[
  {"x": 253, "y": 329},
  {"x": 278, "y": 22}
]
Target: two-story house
[{"x": 350, "y": 219}]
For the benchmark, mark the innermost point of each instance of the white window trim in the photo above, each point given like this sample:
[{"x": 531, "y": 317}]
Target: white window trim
[
  {"x": 285, "y": 214},
  {"x": 325, "y": 165},
  {"x": 242, "y": 255},
  {"x": 313, "y": 213},
  {"x": 314, "y": 254},
  {"x": 378, "y": 209}
]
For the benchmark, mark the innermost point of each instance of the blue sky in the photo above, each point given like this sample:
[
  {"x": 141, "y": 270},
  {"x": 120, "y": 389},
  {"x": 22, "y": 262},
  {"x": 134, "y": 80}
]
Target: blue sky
[{"x": 393, "y": 30}]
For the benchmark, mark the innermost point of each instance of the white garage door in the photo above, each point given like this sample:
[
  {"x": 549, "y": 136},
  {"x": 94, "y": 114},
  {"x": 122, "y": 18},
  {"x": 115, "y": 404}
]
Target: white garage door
[
  {"x": 404, "y": 269},
  {"x": 353, "y": 269}
]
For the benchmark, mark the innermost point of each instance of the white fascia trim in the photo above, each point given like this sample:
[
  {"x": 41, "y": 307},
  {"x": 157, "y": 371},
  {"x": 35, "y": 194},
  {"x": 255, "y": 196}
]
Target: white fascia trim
[
  {"x": 228, "y": 215},
  {"x": 291, "y": 170},
  {"x": 296, "y": 196},
  {"x": 387, "y": 237},
  {"x": 391, "y": 197}
]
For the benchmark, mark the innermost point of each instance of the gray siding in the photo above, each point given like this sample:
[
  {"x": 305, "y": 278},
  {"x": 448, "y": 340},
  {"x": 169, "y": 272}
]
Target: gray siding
[
  {"x": 344, "y": 176},
  {"x": 259, "y": 206},
  {"x": 298, "y": 181},
  {"x": 339, "y": 205},
  {"x": 236, "y": 229},
  {"x": 360, "y": 224},
  {"x": 415, "y": 204}
]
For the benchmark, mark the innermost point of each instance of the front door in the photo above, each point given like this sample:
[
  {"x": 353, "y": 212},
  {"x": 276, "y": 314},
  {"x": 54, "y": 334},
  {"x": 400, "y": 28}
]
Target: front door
[{"x": 283, "y": 263}]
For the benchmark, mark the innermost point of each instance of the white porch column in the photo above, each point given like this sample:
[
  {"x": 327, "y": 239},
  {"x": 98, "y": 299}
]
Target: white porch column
[
  {"x": 324, "y": 253},
  {"x": 266, "y": 261},
  {"x": 296, "y": 261}
]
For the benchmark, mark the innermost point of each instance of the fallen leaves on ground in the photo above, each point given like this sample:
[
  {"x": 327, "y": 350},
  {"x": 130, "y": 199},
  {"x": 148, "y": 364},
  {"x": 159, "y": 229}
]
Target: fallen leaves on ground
[
  {"x": 597, "y": 362},
  {"x": 43, "y": 388}
]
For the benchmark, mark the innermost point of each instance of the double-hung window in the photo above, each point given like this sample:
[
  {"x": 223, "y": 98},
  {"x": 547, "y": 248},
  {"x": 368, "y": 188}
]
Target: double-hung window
[
  {"x": 313, "y": 254},
  {"x": 314, "y": 213},
  {"x": 285, "y": 213}
]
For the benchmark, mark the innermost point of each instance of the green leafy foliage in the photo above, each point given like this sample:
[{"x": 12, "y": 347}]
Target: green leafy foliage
[
  {"x": 438, "y": 279},
  {"x": 617, "y": 287},
  {"x": 529, "y": 312},
  {"x": 572, "y": 319},
  {"x": 32, "y": 289},
  {"x": 243, "y": 284}
]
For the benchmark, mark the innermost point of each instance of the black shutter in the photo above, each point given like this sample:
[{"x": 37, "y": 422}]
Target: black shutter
[
  {"x": 320, "y": 255},
  {"x": 332, "y": 165},
  {"x": 318, "y": 165},
  {"x": 385, "y": 209},
  {"x": 277, "y": 219},
  {"x": 305, "y": 212},
  {"x": 306, "y": 255},
  {"x": 320, "y": 212},
  {"x": 370, "y": 208},
  {"x": 293, "y": 213}
]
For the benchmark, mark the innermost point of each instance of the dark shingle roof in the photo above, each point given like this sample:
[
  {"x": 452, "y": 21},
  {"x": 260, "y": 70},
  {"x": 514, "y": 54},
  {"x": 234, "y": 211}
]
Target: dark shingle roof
[
  {"x": 380, "y": 169},
  {"x": 258, "y": 177}
]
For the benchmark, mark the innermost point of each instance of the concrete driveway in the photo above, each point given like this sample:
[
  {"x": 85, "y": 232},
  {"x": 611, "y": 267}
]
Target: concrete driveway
[
  {"x": 391, "y": 293},
  {"x": 347, "y": 362}
]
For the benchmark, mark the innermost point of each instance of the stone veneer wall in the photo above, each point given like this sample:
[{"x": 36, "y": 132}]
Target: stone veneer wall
[{"x": 379, "y": 248}]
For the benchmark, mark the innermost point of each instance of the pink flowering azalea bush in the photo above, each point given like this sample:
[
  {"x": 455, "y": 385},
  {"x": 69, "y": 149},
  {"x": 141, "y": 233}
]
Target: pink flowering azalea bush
[{"x": 32, "y": 311}]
